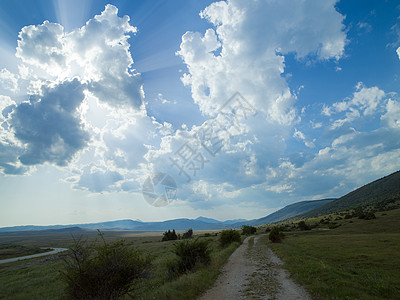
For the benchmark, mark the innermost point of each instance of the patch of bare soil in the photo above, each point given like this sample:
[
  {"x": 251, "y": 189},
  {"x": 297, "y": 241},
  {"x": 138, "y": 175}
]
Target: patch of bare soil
[{"x": 255, "y": 272}]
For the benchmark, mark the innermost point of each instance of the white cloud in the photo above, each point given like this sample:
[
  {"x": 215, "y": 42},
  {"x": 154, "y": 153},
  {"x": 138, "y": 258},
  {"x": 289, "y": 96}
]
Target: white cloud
[
  {"x": 245, "y": 51},
  {"x": 58, "y": 71},
  {"x": 392, "y": 116},
  {"x": 363, "y": 103},
  {"x": 49, "y": 126},
  {"x": 8, "y": 82},
  {"x": 398, "y": 52},
  {"x": 300, "y": 136},
  {"x": 98, "y": 53}
]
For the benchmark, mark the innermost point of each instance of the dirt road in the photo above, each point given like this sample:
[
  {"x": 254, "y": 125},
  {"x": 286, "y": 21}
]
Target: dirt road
[
  {"x": 54, "y": 251},
  {"x": 255, "y": 272}
]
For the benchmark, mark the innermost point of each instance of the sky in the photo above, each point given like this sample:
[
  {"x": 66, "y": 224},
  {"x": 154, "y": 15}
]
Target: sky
[{"x": 156, "y": 110}]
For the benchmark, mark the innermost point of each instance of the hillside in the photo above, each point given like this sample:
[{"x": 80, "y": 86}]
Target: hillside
[
  {"x": 381, "y": 191},
  {"x": 289, "y": 211}
]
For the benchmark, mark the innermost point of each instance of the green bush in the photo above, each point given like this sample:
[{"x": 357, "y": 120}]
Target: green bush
[
  {"x": 303, "y": 226},
  {"x": 229, "y": 236},
  {"x": 275, "y": 235},
  {"x": 333, "y": 225},
  {"x": 248, "y": 230},
  {"x": 367, "y": 216},
  {"x": 189, "y": 253},
  {"x": 169, "y": 236},
  {"x": 188, "y": 234},
  {"x": 108, "y": 271}
]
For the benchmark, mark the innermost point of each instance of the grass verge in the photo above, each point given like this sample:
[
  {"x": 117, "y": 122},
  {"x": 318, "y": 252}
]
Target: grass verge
[{"x": 357, "y": 260}]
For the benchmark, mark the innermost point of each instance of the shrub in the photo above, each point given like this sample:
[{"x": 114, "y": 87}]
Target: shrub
[
  {"x": 229, "y": 236},
  {"x": 368, "y": 216},
  {"x": 275, "y": 235},
  {"x": 169, "y": 236},
  {"x": 108, "y": 271},
  {"x": 188, "y": 234},
  {"x": 248, "y": 230},
  {"x": 303, "y": 226},
  {"x": 333, "y": 225},
  {"x": 189, "y": 254}
]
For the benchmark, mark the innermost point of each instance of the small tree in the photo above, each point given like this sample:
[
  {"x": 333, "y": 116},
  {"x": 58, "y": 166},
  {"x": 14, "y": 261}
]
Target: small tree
[
  {"x": 275, "y": 235},
  {"x": 229, "y": 236},
  {"x": 303, "y": 226},
  {"x": 169, "y": 236},
  {"x": 188, "y": 234},
  {"x": 248, "y": 230},
  {"x": 107, "y": 271}
]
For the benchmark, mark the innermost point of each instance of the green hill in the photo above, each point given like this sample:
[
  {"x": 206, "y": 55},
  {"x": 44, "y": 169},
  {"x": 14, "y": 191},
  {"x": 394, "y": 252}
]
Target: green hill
[
  {"x": 377, "y": 193},
  {"x": 287, "y": 212}
]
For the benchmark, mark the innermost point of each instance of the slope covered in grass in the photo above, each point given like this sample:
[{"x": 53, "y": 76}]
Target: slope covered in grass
[{"x": 378, "y": 192}]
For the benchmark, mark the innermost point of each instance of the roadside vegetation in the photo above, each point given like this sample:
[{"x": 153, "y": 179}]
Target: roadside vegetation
[
  {"x": 351, "y": 254},
  {"x": 174, "y": 269}
]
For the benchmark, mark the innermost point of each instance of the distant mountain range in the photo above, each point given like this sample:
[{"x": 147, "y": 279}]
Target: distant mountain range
[
  {"x": 200, "y": 223},
  {"x": 382, "y": 190}
]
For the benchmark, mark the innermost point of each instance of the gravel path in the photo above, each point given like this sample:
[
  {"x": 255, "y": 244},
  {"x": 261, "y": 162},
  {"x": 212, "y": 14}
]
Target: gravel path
[
  {"x": 54, "y": 251},
  {"x": 254, "y": 272}
]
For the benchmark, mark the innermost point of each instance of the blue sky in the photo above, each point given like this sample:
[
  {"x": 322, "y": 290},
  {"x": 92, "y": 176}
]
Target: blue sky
[{"x": 96, "y": 97}]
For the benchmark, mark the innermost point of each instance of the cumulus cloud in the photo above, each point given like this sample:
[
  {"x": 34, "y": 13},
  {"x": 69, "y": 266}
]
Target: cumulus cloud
[
  {"x": 98, "y": 53},
  {"x": 84, "y": 108},
  {"x": 364, "y": 102},
  {"x": 43, "y": 46},
  {"x": 10, "y": 148},
  {"x": 391, "y": 118},
  {"x": 8, "y": 82},
  {"x": 349, "y": 158},
  {"x": 245, "y": 51},
  {"x": 58, "y": 71},
  {"x": 48, "y": 125}
]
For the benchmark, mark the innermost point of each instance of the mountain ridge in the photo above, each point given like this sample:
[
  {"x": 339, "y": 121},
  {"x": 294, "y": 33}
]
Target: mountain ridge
[
  {"x": 200, "y": 223},
  {"x": 385, "y": 189}
]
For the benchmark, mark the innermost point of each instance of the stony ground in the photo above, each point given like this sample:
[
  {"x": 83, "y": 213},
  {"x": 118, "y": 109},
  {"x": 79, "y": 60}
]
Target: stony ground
[{"x": 255, "y": 272}]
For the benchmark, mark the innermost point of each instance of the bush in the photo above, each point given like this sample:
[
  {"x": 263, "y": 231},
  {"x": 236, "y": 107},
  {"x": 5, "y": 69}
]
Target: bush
[
  {"x": 229, "y": 236},
  {"x": 248, "y": 230},
  {"x": 333, "y": 225},
  {"x": 169, "y": 236},
  {"x": 367, "y": 216},
  {"x": 275, "y": 235},
  {"x": 189, "y": 254},
  {"x": 108, "y": 271},
  {"x": 188, "y": 234},
  {"x": 303, "y": 226}
]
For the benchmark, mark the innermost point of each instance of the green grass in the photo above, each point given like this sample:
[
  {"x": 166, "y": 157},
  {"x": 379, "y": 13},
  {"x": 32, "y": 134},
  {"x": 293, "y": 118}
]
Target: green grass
[
  {"x": 360, "y": 259},
  {"x": 39, "y": 278},
  {"x": 31, "y": 279}
]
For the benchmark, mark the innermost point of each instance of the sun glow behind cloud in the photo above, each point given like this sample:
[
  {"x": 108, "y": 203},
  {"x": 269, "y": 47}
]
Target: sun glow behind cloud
[{"x": 75, "y": 99}]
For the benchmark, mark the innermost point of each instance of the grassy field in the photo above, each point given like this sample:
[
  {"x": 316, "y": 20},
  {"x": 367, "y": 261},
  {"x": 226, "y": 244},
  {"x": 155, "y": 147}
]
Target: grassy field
[
  {"x": 39, "y": 278},
  {"x": 360, "y": 259},
  {"x": 12, "y": 250}
]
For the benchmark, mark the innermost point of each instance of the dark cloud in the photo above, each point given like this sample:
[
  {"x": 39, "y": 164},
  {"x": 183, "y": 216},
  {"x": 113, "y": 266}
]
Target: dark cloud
[{"x": 49, "y": 124}]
